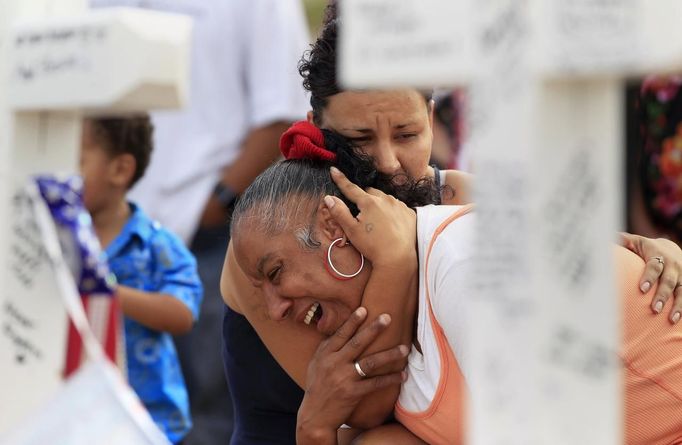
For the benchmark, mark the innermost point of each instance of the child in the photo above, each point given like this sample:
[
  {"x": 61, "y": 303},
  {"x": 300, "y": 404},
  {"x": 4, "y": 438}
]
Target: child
[{"x": 158, "y": 286}]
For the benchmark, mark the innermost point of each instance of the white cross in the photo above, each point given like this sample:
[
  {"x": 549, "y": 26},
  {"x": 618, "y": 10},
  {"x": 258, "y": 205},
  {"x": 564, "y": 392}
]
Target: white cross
[
  {"x": 59, "y": 62},
  {"x": 545, "y": 80}
]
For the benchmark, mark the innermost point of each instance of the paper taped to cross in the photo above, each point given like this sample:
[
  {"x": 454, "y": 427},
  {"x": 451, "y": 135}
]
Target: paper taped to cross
[
  {"x": 57, "y": 62},
  {"x": 544, "y": 81}
]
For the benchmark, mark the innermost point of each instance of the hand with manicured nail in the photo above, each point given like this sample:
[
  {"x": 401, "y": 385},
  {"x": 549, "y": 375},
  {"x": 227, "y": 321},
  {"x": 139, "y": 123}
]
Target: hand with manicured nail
[
  {"x": 663, "y": 267},
  {"x": 383, "y": 221}
]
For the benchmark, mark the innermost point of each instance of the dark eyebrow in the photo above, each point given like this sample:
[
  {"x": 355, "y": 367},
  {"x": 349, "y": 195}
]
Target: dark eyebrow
[
  {"x": 261, "y": 264},
  {"x": 369, "y": 130},
  {"x": 359, "y": 130}
]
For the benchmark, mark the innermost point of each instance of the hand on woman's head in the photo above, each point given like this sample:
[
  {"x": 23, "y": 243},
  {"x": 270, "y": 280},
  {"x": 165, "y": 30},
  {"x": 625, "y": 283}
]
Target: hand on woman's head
[
  {"x": 384, "y": 230},
  {"x": 305, "y": 141}
]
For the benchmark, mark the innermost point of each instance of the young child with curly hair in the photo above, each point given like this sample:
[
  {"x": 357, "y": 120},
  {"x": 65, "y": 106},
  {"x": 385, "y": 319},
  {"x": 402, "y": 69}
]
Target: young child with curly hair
[{"x": 158, "y": 285}]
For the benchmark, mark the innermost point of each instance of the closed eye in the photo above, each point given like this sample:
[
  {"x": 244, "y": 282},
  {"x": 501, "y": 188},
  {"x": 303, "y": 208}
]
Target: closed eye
[
  {"x": 407, "y": 136},
  {"x": 360, "y": 140},
  {"x": 274, "y": 273}
]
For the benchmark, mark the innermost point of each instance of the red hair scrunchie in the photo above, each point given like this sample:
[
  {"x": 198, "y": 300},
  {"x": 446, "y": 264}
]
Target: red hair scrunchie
[{"x": 304, "y": 140}]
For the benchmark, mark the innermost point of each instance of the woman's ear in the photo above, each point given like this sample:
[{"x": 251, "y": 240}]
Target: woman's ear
[
  {"x": 328, "y": 226},
  {"x": 309, "y": 117}
]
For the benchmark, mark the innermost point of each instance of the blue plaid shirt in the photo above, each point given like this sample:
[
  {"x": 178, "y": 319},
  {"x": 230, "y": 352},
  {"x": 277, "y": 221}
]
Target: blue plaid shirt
[{"x": 148, "y": 257}]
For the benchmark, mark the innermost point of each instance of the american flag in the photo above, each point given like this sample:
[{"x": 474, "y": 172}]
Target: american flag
[{"x": 88, "y": 266}]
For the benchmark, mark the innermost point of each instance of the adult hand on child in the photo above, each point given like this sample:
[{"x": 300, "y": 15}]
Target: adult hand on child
[
  {"x": 385, "y": 229},
  {"x": 334, "y": 385},
  {"x": 663, "y": 264}
]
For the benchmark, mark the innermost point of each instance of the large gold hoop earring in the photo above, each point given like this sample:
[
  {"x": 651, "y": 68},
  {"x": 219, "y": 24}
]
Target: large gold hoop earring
[{"x": 336, "y": 271}]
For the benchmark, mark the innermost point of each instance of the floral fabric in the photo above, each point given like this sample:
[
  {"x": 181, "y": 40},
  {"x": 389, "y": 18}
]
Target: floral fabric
[
  {"x": 661, "y": 163},
  {"x": 148, "y": 257}
]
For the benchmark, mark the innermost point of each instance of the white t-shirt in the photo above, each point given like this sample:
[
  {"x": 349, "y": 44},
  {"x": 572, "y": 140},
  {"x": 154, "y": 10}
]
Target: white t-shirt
[
  {"x": 244, "y": 75},
  {"x": 450, "y": 281}
]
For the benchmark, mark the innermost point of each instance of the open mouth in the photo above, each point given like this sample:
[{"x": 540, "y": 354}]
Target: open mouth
[{"x": 314, "y": 314}]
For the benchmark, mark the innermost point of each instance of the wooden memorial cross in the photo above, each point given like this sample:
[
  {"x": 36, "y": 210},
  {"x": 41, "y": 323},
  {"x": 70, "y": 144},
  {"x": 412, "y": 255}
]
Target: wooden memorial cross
[
  {"x": 545, "y": 80},
  {"x": 59, "y": 62}
]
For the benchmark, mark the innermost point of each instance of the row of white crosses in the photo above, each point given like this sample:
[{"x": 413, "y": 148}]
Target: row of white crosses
[
  {"x": 545, "y": 82},
  {"x": 59, "y": 63}
]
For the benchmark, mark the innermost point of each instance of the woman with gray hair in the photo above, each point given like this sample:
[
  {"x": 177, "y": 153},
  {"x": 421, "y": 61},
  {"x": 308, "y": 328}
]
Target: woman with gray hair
[
  {"x": 395, "y": 129},
  {"x": 290, "y": 242}
]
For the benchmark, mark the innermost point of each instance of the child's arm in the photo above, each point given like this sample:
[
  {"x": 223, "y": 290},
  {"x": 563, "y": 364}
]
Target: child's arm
[
  {"x": 172, "y": 304},
  {"x": 157, "y": 311}
]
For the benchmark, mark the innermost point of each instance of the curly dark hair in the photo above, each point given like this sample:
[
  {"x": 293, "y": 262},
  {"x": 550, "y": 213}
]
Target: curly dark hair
[
  {"x": 318, "y": 69},
  {"x": 318, "y": 66},
  {"x": 330, "y": 12},
  {"x": 660, "y": 114},
  {"x": 361, "y": 170},
  {"x": 131, "y": 135}
]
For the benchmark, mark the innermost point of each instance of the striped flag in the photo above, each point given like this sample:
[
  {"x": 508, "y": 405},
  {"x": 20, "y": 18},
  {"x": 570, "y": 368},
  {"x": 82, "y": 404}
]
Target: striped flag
[{"x": 88, "y": 266}]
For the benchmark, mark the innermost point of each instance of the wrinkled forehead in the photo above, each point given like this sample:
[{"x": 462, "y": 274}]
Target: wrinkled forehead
[
  {"x": 365, "y": 107},
  {"x": 272, "y": 217},
  {"x": 266, "y": 222},
  {"x": 248, "y": 247}
]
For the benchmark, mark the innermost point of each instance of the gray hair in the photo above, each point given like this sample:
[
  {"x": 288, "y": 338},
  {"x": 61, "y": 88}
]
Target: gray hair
[{"x": 285, "y": 197}]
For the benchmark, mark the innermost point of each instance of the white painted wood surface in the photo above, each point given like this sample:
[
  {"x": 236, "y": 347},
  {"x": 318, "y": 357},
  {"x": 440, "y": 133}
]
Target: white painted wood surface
[
  {"x": 546, "y": 132},
  {"x": 59, "y": 62}
]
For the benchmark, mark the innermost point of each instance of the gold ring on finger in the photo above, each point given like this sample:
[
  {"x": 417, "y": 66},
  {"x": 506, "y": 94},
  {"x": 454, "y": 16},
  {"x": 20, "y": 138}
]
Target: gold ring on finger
[
  {"x": 361, "y": 373},
  {"x": 657, "y": 258}
]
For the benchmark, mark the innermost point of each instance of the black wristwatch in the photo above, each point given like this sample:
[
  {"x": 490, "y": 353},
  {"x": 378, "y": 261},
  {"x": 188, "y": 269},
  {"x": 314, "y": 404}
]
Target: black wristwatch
[{"x": 225, "y": 195}]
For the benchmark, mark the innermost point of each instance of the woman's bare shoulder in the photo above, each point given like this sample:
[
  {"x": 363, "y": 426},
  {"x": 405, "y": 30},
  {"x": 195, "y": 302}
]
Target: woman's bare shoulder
[
  {"x": 461, "y": 183},
  {"x": 230, "y": 282}
]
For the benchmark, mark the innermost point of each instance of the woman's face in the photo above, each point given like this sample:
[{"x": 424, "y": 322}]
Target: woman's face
[
  {"x": 394, "y": 127},
  {"x": 294, "y": 280}
]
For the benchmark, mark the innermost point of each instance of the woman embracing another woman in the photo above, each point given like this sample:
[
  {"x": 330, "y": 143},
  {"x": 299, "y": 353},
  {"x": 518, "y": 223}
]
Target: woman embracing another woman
[{"x": 302, "y": 234}]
